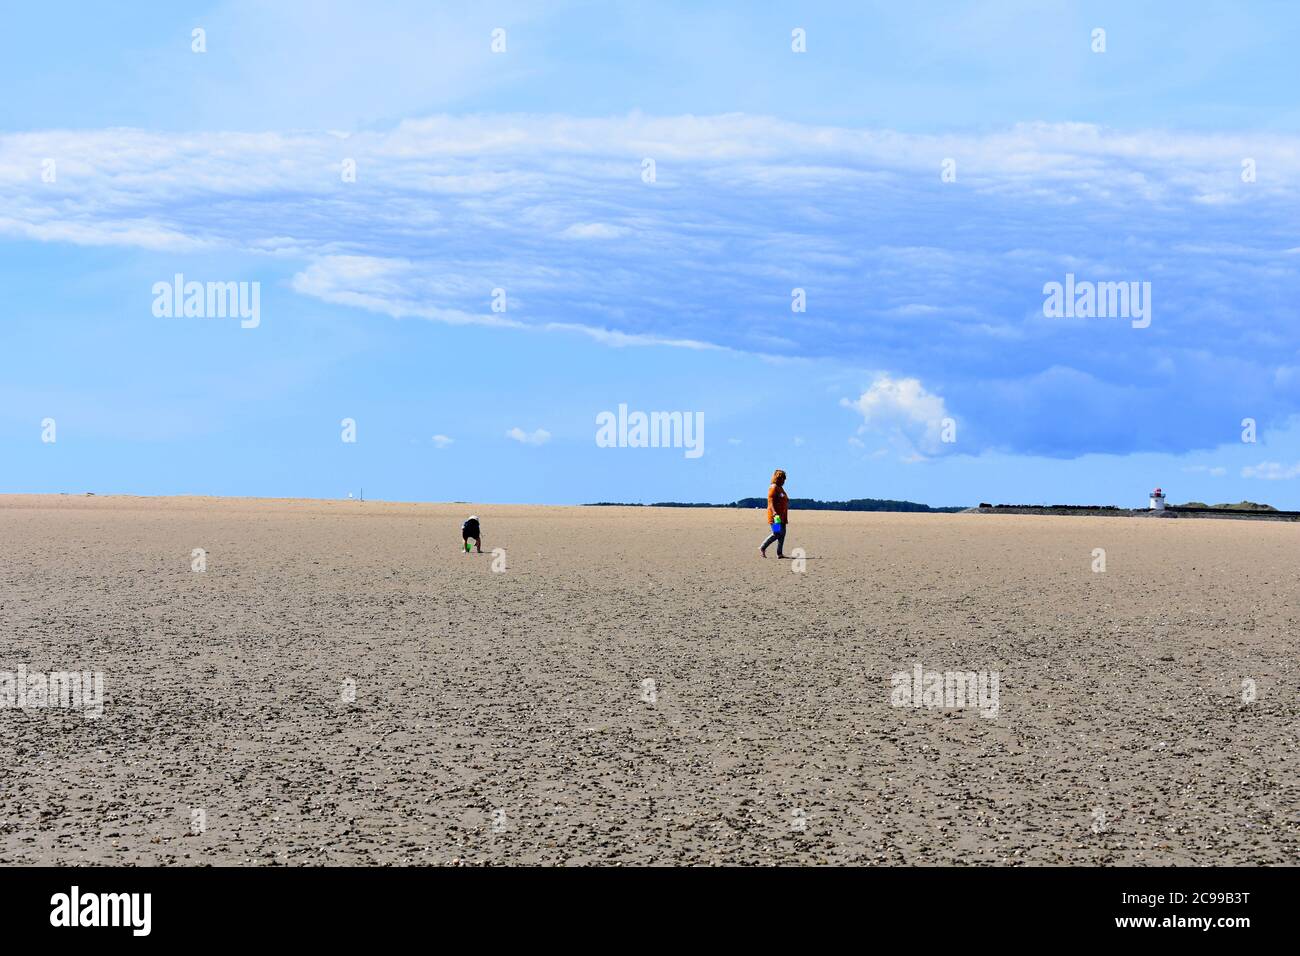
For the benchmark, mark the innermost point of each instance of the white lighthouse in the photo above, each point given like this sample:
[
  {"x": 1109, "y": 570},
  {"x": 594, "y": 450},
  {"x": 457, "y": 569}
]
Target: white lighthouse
[{"x": 1157, "y": 500}]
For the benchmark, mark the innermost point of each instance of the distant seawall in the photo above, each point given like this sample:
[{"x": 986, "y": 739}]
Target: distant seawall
[{"x": 1110, "y": 511}]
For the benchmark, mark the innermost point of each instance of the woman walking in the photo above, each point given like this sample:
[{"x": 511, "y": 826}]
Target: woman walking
[{"x": 778, "y": 504}]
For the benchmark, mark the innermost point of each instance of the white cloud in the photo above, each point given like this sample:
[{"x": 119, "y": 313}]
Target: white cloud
[
  {"x": 442, "y": 441},
  {"x": 902, "y": 409},
  {"x": 134, "y": 187},
  {"x": 619, "y": 339},
  {"x": 395, "y": 287},
  {"x": 447, "y": 208},
  {"x": 1271, "y": 471},
  {"x": 539, "y": 437}
]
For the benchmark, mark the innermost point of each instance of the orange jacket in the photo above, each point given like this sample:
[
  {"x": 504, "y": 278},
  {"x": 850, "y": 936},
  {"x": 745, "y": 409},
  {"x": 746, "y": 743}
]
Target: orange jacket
[{"x": 778, "y": 503}]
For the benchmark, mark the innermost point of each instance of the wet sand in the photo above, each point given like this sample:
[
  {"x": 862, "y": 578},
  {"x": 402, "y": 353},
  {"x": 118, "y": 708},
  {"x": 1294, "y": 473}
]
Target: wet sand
[{"x": 343, "y": 685}]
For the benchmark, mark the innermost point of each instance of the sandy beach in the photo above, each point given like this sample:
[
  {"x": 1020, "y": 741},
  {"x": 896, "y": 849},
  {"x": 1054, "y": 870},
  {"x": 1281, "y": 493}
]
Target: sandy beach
[{"x": 342, "y": 685}]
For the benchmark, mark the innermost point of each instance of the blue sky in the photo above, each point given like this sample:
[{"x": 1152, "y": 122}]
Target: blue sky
[{"x": 525, "y": 171}]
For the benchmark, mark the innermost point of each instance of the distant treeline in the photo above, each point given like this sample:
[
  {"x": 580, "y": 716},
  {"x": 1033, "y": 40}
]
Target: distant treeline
[{"x": 797, "y": 504}]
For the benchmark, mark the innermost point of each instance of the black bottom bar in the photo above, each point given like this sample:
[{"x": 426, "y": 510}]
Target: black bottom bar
[{"x": 340, "y": 906}]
